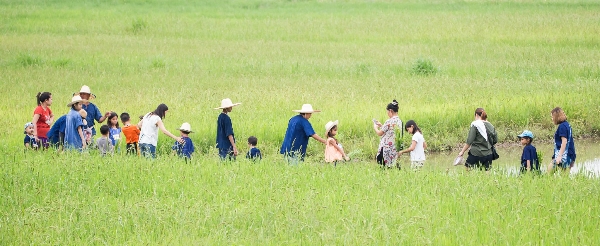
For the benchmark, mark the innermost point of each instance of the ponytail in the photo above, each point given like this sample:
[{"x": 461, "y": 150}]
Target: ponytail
[
  {"x": 481, "y": 113},
  {"x": 42, "y": 97}
]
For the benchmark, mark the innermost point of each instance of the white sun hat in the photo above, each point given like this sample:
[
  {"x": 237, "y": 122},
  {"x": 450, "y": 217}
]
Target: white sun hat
[
  {"x": 330, "y": 125},
  {"x": 74, "y": 100},
  {"x": 307, "y": 109},
  {"x": 85, "y": 89},
  {"x": 226, "y": 103},
  {"x": 185, "y": 127}
]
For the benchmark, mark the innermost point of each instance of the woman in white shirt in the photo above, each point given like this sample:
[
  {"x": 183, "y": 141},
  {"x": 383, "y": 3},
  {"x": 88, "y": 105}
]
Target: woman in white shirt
[
  {"x": 417, "y": 147},
  {"x": 149, "y": 126}
]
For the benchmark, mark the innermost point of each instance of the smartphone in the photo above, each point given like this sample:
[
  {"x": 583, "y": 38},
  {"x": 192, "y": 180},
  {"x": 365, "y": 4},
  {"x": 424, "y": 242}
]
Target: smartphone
[{"x": 375, "y": 121}]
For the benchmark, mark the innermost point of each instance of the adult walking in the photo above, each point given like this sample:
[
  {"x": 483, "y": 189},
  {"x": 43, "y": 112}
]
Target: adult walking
[
  {"x": 42, "y": 118},
  {"x": 149, "y": 126},
  {"x": 93, "y": 113},
  {"x": 225, "y": 137},
  {"x": 479, "y": 143},
  {"x": 74, "y": 138},
  {"x": 298, "y": 132},
  {"x": 564, "y": 147},
  {"x": 386, "y": 151}
]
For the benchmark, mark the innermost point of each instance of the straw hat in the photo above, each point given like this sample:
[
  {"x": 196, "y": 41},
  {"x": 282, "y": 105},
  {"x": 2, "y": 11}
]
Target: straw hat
[
  {"x": 85, "y": 89},
  {"x": 74, "y": 100},
  {"x": 226, "y": 103},
  {"x": 330, "y": 125},
  {"x": 185, "y": 127},
  {"x": 307, "y": 109}
]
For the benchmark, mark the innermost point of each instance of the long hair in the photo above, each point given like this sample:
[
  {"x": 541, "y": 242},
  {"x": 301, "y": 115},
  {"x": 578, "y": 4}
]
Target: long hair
[
  {"x": 329, "y": 135},
  {"x": 481, "y": 113},
  {"x": 42, "y": 97},
  {"x": 393, "y": 106},
  {"x": 414, "y": 125},
  {"x": 558, "y": 115},
  {"x": 112, "y": 115},
  {"x": 160, "y": 110}
]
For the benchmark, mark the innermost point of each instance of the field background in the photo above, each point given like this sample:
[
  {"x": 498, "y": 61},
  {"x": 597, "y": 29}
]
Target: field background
[{"x": 517, "y": 59}]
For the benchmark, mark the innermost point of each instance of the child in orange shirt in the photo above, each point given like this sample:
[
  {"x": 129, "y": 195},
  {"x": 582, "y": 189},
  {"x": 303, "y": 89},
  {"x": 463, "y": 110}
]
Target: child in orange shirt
[{"x": 132, "y": 134}]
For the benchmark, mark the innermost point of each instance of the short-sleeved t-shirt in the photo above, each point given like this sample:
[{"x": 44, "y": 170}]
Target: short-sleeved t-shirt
[
  {"x": 184, "y": 150},
  {"x": 57, "y": 128},
  {"x": 114, "y": 135},
  {"x": 224, "y": 130},
  {"x": 132, "y": 133},
  {"x": 564, "y": 130},
  {"x": 418, "y": 154},
  {"x": 42, "y": 123},
  {"x": 31, "y": 141},
  {"x": 149, "y": 131},
  {"x": 72, "y": 138},
  {"x": 93, "y": 114},
  {"x": 530, "y": 154},
  {"x": 297, "y": 135},
  {"x": 104, "y": 145},
  {"x": 254, "y": 153}
]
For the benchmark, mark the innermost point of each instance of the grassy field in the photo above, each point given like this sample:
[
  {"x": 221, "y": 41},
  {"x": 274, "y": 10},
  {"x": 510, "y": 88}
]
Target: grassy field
[{"x": 440, "y": 59}]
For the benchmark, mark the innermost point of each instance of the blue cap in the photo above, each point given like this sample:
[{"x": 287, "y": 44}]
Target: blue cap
[{"x": 526, "y": 133}]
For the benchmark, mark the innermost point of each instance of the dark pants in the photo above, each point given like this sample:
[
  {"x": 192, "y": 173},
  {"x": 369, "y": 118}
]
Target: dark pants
[
  {"x": 226, "y": 154},
  {"x": 479, "y": 162}
]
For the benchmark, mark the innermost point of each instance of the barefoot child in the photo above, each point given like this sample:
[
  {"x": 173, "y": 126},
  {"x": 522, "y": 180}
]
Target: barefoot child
[
  {"x": 333, "y": 149},
  {"x": 185, "y": 149},
  {"x": 529, "y": 160},
  {"x": 29, "y": 141},
  {"x": 132, "y": 134},
  {"x": 417, "y": 146}
]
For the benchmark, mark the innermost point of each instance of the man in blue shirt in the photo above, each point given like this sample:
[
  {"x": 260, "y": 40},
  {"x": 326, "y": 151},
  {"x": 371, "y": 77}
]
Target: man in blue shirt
[
  {"x": 93, "y": 113},
  {"x": 297, "y": 134}
]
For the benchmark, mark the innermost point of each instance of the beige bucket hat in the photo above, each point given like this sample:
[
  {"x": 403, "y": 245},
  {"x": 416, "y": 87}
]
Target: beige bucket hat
[
  {"x": 330, "y": 125},
  {"x": 74, "y": 100},
  {"x": 185, "y": 127}
]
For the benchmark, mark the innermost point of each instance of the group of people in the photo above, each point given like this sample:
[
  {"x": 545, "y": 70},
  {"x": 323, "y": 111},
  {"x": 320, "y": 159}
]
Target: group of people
[{"x": 75, "y": 131}]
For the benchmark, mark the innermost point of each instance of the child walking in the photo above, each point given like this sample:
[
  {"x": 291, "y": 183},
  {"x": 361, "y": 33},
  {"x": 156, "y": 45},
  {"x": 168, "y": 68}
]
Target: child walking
[
  {"x": 114, "y": 129},
  {"x": 225, "y": 136},
  {"x": 529, "y": 159},
  {"x": 253, "y": 153},
  {"x": 29, "y": 141},
  {"x": 333, "y": 149},
  {"x": 132, "y": 134},
  {"x": 417, "y": 146},
  {"x": 185, "y": 149},
  {"x": 103, "y": 142}
]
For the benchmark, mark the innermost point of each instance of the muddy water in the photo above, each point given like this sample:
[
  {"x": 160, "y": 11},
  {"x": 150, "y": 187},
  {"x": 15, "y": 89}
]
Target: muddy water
[{"x": 588, "y": 156}]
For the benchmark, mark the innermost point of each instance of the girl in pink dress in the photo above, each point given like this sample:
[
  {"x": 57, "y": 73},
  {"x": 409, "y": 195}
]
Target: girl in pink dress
[{"x": 333, "y": 149}]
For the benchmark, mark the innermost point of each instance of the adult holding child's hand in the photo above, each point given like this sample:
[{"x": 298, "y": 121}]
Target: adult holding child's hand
[
  {"x": 298, "y": 132},
  {"x": 149, "y": 126}
]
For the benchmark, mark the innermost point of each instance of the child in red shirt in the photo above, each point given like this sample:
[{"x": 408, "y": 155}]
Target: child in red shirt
[{"x": 132, "y": 134}]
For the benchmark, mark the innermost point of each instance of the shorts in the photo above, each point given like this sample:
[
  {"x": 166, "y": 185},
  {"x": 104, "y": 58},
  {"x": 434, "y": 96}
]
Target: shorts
[
  {"x": 479, "y": 162},
  {"x": 416, "y": 164},
  {"x": 132, "y": 148},
  {"x": 44, "y": 142},
  {"x": 567, "y": 162}
]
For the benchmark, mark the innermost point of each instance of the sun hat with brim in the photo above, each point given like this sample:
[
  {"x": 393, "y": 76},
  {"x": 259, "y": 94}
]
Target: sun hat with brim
[
  {"x": 85, "y": 89},
  {"x": 307, "y": 109},
  {"x": 526, "y": 133},
  {"x": 185, "y": 127},
  {"x": 74, "y": 100},
  {"x": 330, "y": 125},
  {"x": 226, "y": 103}
]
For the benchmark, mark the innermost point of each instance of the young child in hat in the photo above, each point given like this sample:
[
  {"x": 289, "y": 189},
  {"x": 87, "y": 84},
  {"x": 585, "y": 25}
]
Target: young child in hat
[
  {"x": 29, "y": 141},
  {"x": 185, "y": 149},
  {"x": 253, "y": 153},
  {"x": 529, "y": 158},
  {"x": 225, "y": 135},
  {"x": 333, "y": 149}
]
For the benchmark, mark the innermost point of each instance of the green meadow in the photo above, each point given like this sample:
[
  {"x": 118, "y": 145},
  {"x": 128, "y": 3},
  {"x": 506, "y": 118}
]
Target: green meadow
[{"x": 439, "y": 59}]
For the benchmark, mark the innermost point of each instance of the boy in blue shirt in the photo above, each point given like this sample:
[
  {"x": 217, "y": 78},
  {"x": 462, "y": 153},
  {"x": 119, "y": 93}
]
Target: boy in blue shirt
[
  {"x": 185, "y": 149},
  {"x": 529, "y": 159},
  {"x": 253, "y": 153}
]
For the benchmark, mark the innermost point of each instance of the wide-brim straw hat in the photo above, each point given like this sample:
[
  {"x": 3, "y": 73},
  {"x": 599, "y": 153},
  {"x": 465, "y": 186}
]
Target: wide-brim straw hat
[
  {"x": 185, "y": 127},
  {"x": 330, "y": 125},
  {"x": 85, "y": 89},
  {"x": 307, "y": 109},
  {"x": 74, "y": 100},
  {"x": 226, "y": 103}
]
